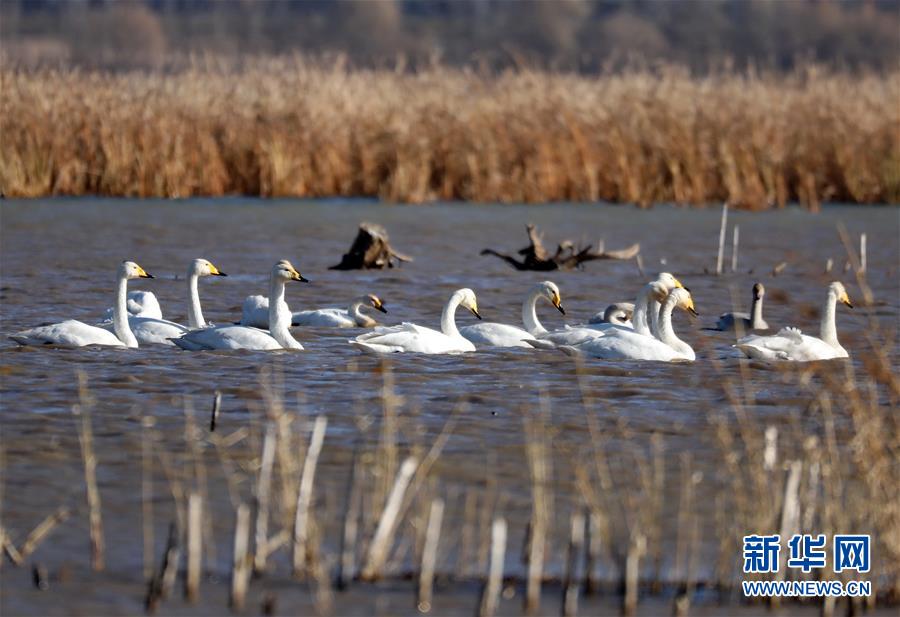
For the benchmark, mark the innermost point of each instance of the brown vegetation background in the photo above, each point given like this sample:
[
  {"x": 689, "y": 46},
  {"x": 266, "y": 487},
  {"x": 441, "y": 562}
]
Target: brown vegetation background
[{"x": 292, "y": 127}]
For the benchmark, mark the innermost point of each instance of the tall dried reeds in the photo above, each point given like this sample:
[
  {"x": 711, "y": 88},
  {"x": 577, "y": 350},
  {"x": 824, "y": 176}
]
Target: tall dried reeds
[{"x": 294, "y": 127}]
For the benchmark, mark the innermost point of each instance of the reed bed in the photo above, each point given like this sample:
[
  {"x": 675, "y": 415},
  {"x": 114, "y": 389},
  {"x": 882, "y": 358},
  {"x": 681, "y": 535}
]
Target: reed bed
[{"x": 294, "y": 127}]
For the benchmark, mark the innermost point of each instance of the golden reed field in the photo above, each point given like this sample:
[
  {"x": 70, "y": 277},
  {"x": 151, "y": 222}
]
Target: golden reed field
[{"x": 294, "y": 127}]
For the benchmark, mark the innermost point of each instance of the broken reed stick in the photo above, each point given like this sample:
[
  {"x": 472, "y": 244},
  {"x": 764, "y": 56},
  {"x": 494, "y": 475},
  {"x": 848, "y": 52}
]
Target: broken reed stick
[
  {"x": 632, "y": 572},
  {"x": 384, "y": 533},
  {"x": 240, "y": 563},
  {"x": 862, "y": 253},
  {"x": 537, "y": 460},
  {"x": 160, "y": 585},
  {"x": 790, "y": 512},
  {"x": 263, "y": 490},
  {"x": 735, "y": 238},
  {"x": 722, "y": 229},
  {"x": 490, "y": 597},
  {"x": 214, "y": 417},
  {"x": 347, "y": 563},
  {"x": 576, "y": 547},
  {"x": 9, "y": 548},
  {"x": 429, "y": 555},
  {"x": 194, "y": 546},
  {"x": 147, "y": 423},
  {"x": 829, "y": 264},
  {"x": 592, "y": 552},
  {"x": 85, "y": 438},
  {"x": 304, "y": 497},
  {"x": 40, "y": 533}
]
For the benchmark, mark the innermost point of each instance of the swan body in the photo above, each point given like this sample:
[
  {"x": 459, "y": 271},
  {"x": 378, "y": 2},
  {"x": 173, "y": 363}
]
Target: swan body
[
  {"x": 503, "y": 335},
  {"x": 255, "y": 312},
  {"x": 624, "y": 344},
  {"x": 409, "y": 337},
  {"x": 793, "y": 346},
  {"x": 579, "y": 334},
  {"x": 232, "y": 337},
  {"x": 139, "y": 303},
  {"x": 74, "y": 333},
  {"x": 618, "y": 313},
  {"x": 158, "y": 331},
  {"x": 746, "y": 321}
]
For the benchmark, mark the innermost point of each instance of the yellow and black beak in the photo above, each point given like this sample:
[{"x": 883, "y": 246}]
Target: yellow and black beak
[
  {"x": 693, "y": 311},
  {"x": 380, "y": 307},
  {"x": 296, "y": 276},
  {"x": 558, "y": 304},
  {"x": 475, "y": 312},
  {"x": 215, "y": 271},
  {"x": 144, "y": 274},
  {"x": 846, "y": 300},
  {"x": 678, "y": 283}
]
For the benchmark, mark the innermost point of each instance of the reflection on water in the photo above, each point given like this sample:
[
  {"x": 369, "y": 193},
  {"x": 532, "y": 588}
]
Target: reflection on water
[{"x": 58, "y": 260}]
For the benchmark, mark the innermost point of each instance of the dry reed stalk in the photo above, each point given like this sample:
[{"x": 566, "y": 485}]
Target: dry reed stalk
[
  {"x": 305, "y": 495},
  {"x": 735, "y": 239},
  {"x": 9, "y": 548},
  {"x": 240, "y": 560},
  {"x": 721, "y": 255},
  {"x": 40, "y": 533},
  {"x": 194, "y": 546},
  {"x": 536, "y": 449},
  {"x": 147, "y": 423},
  {"x": 350, "y": 529},
  {"x": 214, "y": 416},
  {"x": 862, "y": 254},
  {"x": 429, "y": 556},
  {"x": 572, "y": 579},
  {"x": 381, "y": 542},
  {"x": 263, "y": 488},
  {"x": 86, "y": 440},
  {"x": 467, "y": 533},
  {"x": 160, "y": 586},
  {"x": 490, "y": 597},
  {"x": 633, "y": 571}
]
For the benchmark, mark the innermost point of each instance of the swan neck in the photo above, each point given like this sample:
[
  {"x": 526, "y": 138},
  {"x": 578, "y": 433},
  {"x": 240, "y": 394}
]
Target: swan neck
[
  {"x": 448, "y": 316},
  {"x": 639, "y": 317},
  {"x": 356, "y": 314},
  {"x": 655, "y": 310},
  {"x": 828, "y": 328},
  {"x": 529, "y": 314},
  {"x": 756, "y": 312},
  {"x": 195, "y": 314},
  {"x": 280, "y": 316},
  {"x": 121, "y": 327}
]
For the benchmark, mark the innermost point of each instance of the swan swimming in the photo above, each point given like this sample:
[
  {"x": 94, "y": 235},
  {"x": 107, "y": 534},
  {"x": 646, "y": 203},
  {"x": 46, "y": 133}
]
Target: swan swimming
[
  {"x": 618, "y": 313},
  {"x": 579, "y": 334},
  {"x": 746, "y": 321},
  {"x": 504, "y": 335},
  {"x": 139, "y": 303},
  {"x": 245, "y": 337},
  {"x": 410, "y": 337},
  {"x": 158, "y": 331},
  {"x": 73, "y": 333},
  {"x": 255, "y": 312},
  {"x": 792, "y": 345},
  {"x": 624, "y": 344}
]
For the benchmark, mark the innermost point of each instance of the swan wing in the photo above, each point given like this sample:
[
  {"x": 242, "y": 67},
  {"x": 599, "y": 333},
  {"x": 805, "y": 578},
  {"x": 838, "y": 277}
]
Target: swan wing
[
  {"x": 623, "y": 345},
  {"x": 408, "y": 337},
  {"x": 788, "y": 345},
  {"x": 326, "y": 317},
  {"x": 151, "y": 331},
  {"x": 227, "y": 337},
  {"x": 139, "y": 303},
  {"x": 255, "y": 312},
  {"x": 69, "y": 333},
  {"x": 727, "y": 321},
  {"x": 572, "y": 336},
  {"x": 496, "y": 335}
]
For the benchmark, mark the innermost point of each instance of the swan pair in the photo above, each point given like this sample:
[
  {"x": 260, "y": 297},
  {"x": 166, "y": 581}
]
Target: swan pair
[
  {"x": 150, "y": 329},
  {"x": 792, "y": 345},
  {"x": 408, "y": 337},
  {"x": 255, "y": 312},
  {"x": 249, "y": 338},
  {"x": 74, "y": 333},
  {"x": 504, "y": 335}
]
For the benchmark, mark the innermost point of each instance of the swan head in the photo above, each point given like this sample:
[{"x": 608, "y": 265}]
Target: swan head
[
  {"x": 837, "y": 288},
  {"x": 668, "y": 281},
  {"x": 131, "y": 270},
  {"x": 758, "y": 291},
  {"x": 684, "y": 300},
  {"x": 285, "y": 271},
  {"x": 618, "y": 313},
  {"x": 467, "y": 300},
  {"x": 204, "y": 267},
  {"x": 549, "y": 290},
  {"x": 375, "y": 302}
]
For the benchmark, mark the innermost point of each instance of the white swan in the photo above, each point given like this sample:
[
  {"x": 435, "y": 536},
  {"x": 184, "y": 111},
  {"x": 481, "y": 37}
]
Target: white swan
[
  {"x": 748, "y": 321},
  {"x": 792, "y": 345},
  {"x": 618, "y": 313},
  {"x": 413, "y": 338},
  {"x": 139, "y": 303},
  {"x": 73, "y": 333},
  {"x": 255, "y": 312},
  {"x": 246, "y": 337},
  {"x": 624, "y": 344},
  {"x": 503, "y": 335},
  {"x": 644, "y": 303},
  {"x": 158, "y": 331}
]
